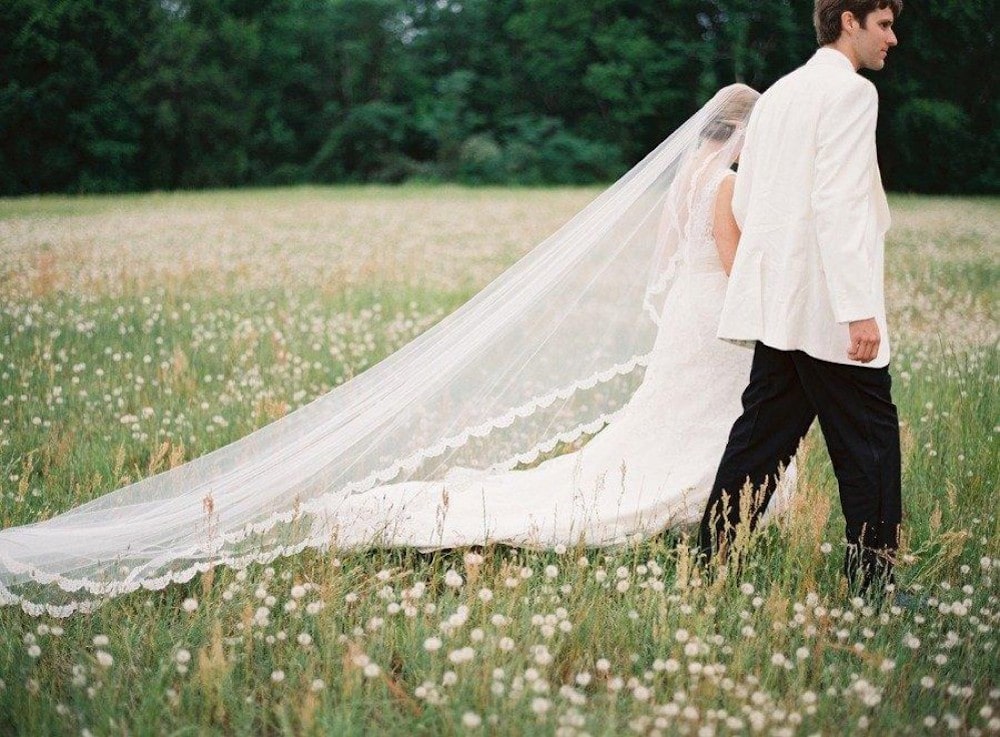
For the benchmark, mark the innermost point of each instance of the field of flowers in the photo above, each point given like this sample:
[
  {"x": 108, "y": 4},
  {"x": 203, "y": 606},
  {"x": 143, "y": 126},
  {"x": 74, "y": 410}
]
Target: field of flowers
[{"x": 138, "y": 332}]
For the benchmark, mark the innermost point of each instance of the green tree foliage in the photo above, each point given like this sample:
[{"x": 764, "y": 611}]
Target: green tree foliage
[{"x": 112, "y": 95}]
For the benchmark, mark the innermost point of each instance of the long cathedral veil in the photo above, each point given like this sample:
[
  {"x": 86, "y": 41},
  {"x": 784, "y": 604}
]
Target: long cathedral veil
[{"x": 544, "y": 356}]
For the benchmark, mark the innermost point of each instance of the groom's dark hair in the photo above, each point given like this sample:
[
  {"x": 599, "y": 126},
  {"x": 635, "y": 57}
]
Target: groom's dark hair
[{"x": 826, "y": 15}]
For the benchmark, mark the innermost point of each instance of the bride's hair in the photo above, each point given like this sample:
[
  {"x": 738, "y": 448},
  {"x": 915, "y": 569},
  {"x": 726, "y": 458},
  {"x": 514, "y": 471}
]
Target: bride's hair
[
  {"x": 733, "y": 112},
  {"x": 826, "y": 15}
]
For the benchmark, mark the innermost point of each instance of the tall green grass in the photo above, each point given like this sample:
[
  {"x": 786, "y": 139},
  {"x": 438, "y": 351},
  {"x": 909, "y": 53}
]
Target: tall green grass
[{"x": 599, "y": 642}]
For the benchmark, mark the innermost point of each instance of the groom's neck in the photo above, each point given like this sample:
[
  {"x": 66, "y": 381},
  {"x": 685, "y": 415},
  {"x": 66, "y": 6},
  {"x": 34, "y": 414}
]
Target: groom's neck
[{"x": 843, "y": 46}]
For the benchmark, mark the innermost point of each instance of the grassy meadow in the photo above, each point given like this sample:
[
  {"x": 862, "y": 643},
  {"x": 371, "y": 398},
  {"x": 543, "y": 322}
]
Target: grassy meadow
[{"x": 137, "y": 332}]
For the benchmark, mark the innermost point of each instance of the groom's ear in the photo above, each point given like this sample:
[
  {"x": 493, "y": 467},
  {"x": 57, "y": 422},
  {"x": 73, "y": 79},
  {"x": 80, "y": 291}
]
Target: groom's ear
[{"x": 849, "y": 22}]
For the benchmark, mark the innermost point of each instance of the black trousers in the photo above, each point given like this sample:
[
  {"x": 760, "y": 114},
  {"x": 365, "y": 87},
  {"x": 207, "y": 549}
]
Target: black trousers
[{"x": 787, "y": 390}]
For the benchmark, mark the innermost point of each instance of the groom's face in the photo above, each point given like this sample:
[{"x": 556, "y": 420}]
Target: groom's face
[{"x": 873, "y": 40}]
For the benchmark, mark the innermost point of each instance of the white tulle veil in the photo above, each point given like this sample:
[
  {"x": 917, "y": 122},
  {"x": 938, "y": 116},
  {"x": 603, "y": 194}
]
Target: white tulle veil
[{"x": 542, "y": 357}]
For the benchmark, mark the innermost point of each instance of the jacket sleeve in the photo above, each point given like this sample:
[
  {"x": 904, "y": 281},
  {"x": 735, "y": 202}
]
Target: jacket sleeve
[{"x": 845, "y": 155}]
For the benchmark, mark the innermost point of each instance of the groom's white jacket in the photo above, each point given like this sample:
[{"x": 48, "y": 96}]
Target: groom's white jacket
[{"x": 813, "y": 215}]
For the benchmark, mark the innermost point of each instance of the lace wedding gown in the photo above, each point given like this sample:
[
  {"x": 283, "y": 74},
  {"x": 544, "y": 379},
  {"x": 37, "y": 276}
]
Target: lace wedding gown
[
  {"x": 609, "y": 322},
  {"x": 650, "y": 469}
]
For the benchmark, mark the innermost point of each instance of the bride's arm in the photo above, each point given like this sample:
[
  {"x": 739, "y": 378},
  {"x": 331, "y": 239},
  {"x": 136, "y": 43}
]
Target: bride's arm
[{"x": 724, "y": 228}]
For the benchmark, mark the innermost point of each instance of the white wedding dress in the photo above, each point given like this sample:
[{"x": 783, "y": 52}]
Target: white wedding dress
[
  {"x": 608, "y": 323},
  {"x": 649, "y": 469}
]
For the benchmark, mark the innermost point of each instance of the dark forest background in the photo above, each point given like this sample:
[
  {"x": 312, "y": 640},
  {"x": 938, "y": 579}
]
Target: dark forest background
[{"x": 124, "y": 95}]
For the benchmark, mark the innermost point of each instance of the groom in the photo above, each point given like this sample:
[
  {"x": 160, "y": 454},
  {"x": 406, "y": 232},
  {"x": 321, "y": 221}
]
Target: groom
[{"x": 807, "y": 286}]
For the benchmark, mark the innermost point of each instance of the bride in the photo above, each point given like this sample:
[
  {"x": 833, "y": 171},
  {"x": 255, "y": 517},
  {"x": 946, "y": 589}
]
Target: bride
[{"x": 600, "y": 343}]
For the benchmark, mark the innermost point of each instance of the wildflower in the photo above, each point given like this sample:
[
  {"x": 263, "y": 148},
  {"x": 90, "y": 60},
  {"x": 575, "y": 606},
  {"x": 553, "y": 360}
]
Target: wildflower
[
  {"x": 452, "y": 579},
  {"x": 104, "y": 658},
  {"x": 190, "y": 605},
  {"x": 277, "y": 676},
  {"x": 471, "y": 720},
  {"x": 100, "y": 640},
  {"x": 432, "y": 644},
  {"x": 540, "y": 705},
  {"x": 183, "y": 657}
]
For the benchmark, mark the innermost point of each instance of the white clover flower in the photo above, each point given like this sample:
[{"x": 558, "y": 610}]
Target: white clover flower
[
  {"x": 471, "y": 720},
  {"x": 189, "y": 605},
  {"x": 183, "y": 656},
  {"x": 318, "y": 684},
  {"x": 277, "y": 676},
  {"x": 506, "y": 644},
  {"x": 551, "y": 571},
  {"x": 603, "y": 665},
  {"x": 100, "y": 640},
  {"x": 371, "y": 670},
  {"x": 641, "y": 693},
  {"x": 485, "y": 596},
  {"x": 34, "y": 651},
  {"x": 540, "y": 705},
  {"x": 746, "y": 589},
  {"x": 453, "y": 578},
  {"x": 298, "y": 591},
  {"x": 432, "y": 644},
  {"x": 104, "y": 658},
  {"x": 582, "y": 561},
  {"x": 462, "y": 655},
  {"x": 682, "y": 635},
  {"x": 825, "y": 548}
]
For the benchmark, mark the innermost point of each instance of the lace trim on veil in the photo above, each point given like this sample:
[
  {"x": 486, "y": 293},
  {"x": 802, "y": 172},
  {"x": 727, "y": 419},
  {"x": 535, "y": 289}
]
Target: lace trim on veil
[{"x": 385, "y": 475}]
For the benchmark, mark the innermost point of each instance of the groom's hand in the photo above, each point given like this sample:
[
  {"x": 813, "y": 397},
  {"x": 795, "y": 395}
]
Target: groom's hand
[{"x": 865, "y": 339}]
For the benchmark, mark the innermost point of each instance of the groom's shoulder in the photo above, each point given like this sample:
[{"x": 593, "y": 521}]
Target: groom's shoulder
[{"x": 822, "y": 79}]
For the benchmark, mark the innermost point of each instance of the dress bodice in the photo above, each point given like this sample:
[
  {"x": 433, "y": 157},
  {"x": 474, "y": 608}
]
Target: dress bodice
[{"x": 698, "y": 252}]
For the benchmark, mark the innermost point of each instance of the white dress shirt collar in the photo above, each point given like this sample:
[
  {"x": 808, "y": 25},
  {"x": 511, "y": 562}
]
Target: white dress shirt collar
[{"x": 825, "y": 55}]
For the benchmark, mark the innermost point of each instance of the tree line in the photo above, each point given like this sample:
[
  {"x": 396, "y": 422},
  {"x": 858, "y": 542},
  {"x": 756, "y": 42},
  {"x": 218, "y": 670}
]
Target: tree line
[{"x": 131, "y": 95}]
